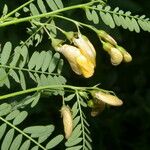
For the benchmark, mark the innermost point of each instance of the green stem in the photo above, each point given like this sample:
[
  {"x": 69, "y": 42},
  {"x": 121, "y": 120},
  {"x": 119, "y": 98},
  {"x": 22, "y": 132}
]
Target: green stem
[
  {"x": 15, "y": 10},
  {"x": 27, "y": 136},
  {"x": 56, "y": 87},
  {"x": 27, "y": 70},
  {"x": 82, "y": 123},
  {"x": 25, "y": 19},
  {"x": 77, "y": 22},
  {"x": 45, "y": 24}
]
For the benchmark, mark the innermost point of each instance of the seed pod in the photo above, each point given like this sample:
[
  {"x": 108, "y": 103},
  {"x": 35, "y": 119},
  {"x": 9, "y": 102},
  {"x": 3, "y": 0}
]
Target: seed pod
[{"x": 67, "y": 121}]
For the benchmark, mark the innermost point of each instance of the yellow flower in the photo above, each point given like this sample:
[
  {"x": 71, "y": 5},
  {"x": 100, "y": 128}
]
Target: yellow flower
[
  {"x": 86, "y": 48},
  {"x": 106, "y": 98},
  {"x": 78, "y": 62}
]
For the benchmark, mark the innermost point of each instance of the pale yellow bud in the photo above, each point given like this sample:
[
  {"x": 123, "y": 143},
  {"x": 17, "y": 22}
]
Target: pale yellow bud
[
  {"x": 106, "y": 37},
  {"x": 67, "y": 121},
  {"x": 86, "y": 48},
  {"x": 107, "y": 98},
  {"x": 127, "y": 57},
  {"x": 116, "y": 56},
  {"x": 86, "y": 67}
]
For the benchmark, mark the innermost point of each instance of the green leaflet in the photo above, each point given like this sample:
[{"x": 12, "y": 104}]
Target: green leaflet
[
  {"x": 16, "y": 56},
  {"x": 20, "y": 117},
  {"x": 75, "y": 109},
  {"x": 75, "y": 147},
  {"x": 7, "y": 139},
  {"x": 118, "y": 17},
  {"x": 54, "y": 62},
  {"x": 6, "y": 53},
  {"x": 51, "y": 27},
  {"x": 14, "y": 75},
  {"x": 55, "y": 141},
  {"x": 2, "y": 130},
  {"x": 35, "y": 148},
  {"x": 22, "y": 80},
  {"x": 69, "y": 97},
  {"x": 41, "y": 6},
  {"x": 76, "y": 121},
  {"x": 12, "y": 115},
  {"x": 46, "y": 61},
  {"x": 25, "y": 145},
  {"x": 88, "y": 14},
  {"x": 33, "y": 9},
  {"x": 75, "y": 134},
  {"x": 4, "y": 78},
  {"x": 95, "y": 17},
  {"x": 40, "y": 59},
  {"x": 52, "y": 4},
  {"x": 60, "y": 66},
  {"x": 5, "y": 109},
  {"x": 73, "y": 142},
  {"x": 24, "y": 54},
  {"x": 59, "y": 4},
  {"x": 5, "y": 10},
  {"x": 16, "y": 142},
  {"x": 32, "y": 61}
]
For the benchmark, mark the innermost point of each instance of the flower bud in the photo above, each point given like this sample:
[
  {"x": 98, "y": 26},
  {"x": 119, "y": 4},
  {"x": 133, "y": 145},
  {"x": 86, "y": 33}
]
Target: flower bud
[
  {"x": 86, "y": 48},
  {"x": 126, "y": 56},
  {"x": 107, "y": 46},
  {"x": 98, "y": 108},
  {"x": 106, "y": 37},
  {"x": 67, "y": 121},
  {"x": 107, "y": 98},
  {"x": 116, "y": 56},
  {"x": 90, "y": 103}
]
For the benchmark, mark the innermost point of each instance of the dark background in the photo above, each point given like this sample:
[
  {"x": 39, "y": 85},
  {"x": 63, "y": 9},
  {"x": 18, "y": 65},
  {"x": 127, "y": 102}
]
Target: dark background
[{"x": 123, "y": 128}]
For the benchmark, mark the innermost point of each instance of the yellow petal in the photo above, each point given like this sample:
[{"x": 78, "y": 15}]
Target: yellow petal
[
  {"x": 86, "y": 48},
  {"x": 71, "y": 53},
  {"x": 86, "y": 67}
]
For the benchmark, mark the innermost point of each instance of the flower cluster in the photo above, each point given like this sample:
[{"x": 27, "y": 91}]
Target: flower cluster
[
  {"x": 81, "y": 56},
  {"x": 117, "y": 53},
  {"x": 100, "y": 99}
]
